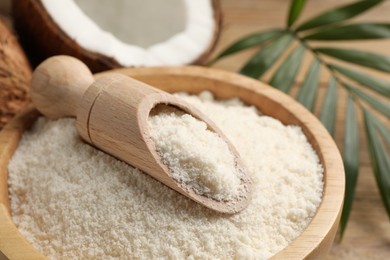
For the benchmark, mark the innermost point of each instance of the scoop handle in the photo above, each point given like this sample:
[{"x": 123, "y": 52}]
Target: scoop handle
[{"x": 58, "y": 85}]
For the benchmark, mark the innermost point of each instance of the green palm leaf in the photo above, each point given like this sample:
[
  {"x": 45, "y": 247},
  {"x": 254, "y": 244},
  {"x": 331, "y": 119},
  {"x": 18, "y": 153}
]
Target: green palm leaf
[
  {"x": 284, "y": 77},
  {"x": 384, "y": 131},
  {"x": 380, "y": 159},
  {"x": 351, "y": 161},
  {"x": 248, "y": 42},
  {"x": 362, "y": 31},
  {"x": 307, "y": 95},
  {"x": 363, "y": 58},
  {"x": 329, "y": 107},
  {"x": 378, "y": 85},
  {"x": 295, "y": 10},
  {"x": 374, "y": 102},
  {"x": 382, "y": 128},
  {"x": 339, "y": 14},
  {"x": 264, "y": 59}
]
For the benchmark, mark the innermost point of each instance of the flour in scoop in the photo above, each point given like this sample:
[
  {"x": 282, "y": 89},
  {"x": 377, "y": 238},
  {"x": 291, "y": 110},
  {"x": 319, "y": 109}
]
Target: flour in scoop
[
  {"x": 197, "y": 157},
  {"x": 72, "y": 201}
]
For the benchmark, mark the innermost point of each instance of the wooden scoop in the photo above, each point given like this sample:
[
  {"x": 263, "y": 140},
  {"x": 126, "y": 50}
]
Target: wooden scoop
[{"x": 112, "y": 113}]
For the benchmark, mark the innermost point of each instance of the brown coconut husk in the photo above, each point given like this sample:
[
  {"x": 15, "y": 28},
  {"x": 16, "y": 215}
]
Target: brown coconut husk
[
  {"x": 43, "y": 38},
  {"x": 15, "y": 76}
]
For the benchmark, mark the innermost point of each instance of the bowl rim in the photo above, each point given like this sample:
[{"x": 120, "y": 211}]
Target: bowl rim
[{"x": 316, "y": 239}]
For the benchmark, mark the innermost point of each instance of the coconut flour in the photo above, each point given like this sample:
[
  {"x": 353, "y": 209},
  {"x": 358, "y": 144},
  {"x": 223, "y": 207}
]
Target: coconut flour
[
  {"x": 195, "y": 156},
  {"x": 72, "y": 201}
]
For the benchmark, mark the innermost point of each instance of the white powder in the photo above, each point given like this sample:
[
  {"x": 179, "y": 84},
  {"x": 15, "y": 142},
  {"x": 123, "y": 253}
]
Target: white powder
[
  {"x": 196, "y": 156},
  {"x": 72, "y": 201}
]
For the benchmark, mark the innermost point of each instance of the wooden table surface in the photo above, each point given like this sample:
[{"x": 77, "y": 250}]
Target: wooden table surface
[{"x": 368, "y": 232}]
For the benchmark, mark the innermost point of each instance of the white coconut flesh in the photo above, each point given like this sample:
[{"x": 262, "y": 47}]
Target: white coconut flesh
[{"x": 137, "y": 32}]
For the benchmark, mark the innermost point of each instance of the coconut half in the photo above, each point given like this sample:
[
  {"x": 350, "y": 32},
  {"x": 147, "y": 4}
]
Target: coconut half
[
  {"x": 121, "y": 33},
  {"x": 15, "y": 76}
]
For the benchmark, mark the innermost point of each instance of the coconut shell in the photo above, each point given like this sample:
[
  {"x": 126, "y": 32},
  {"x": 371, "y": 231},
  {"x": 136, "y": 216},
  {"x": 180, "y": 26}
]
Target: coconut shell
[
  {"x": 43, "y": 38},
  {"x": 15, "y": 76}
]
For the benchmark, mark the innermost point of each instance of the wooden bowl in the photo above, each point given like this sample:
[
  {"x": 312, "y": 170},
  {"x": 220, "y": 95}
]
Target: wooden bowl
[{"x": 318, "y": 237}]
